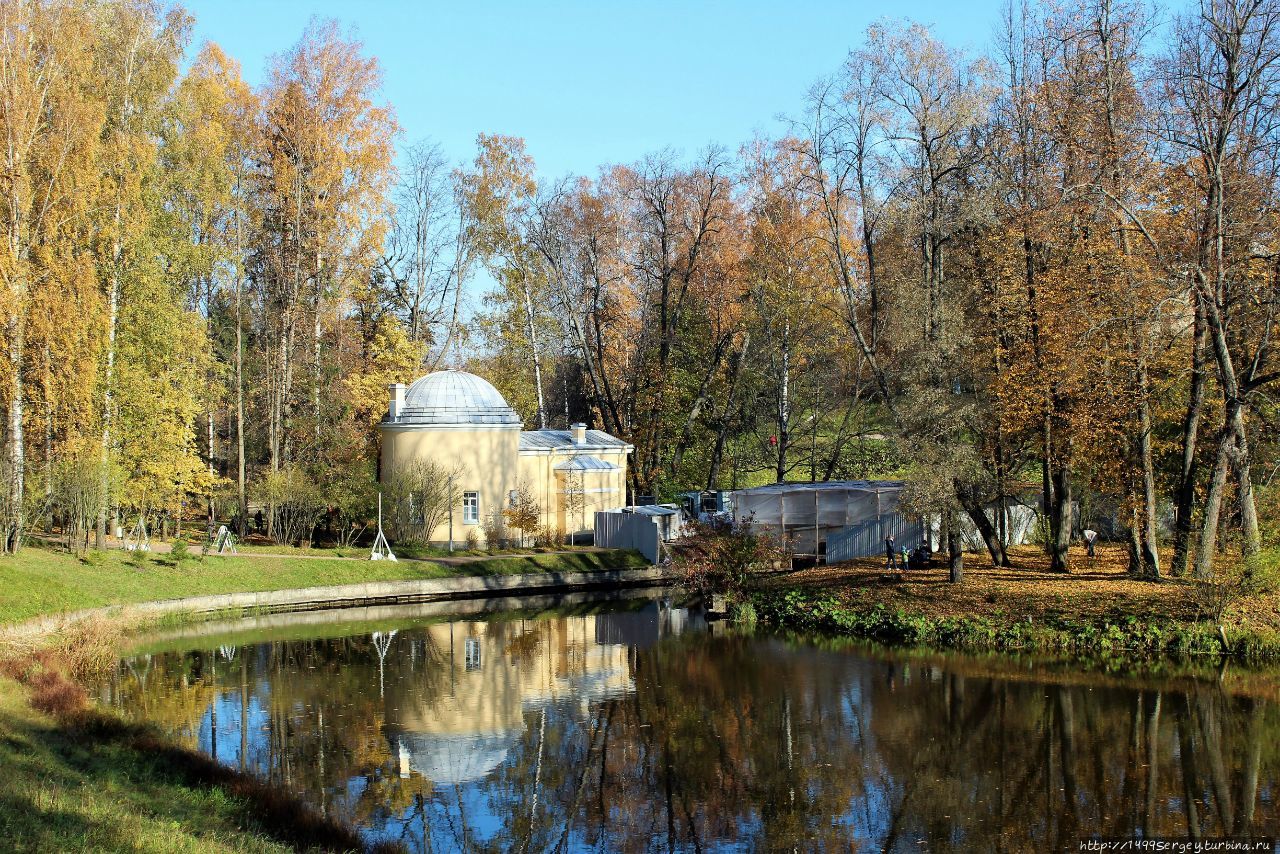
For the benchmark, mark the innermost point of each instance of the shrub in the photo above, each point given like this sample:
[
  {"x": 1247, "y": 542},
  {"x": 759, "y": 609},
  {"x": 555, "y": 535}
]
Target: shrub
[
  {"x": 294, "y": 502},
  {"x": 719, "y": 557},
  {"x": 523, "y": 513},
  {"x": 94, "y": 557},
  {"x": 1235, "y": 581},
  {"x": 180, "y": 553},
  {"x": 495, "y": 532},
  {"x": 418, "y": 498}
]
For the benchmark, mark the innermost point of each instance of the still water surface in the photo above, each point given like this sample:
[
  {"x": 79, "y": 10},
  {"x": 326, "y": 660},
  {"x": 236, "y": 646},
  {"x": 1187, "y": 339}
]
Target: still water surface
[{"x": 641, "y": 729}]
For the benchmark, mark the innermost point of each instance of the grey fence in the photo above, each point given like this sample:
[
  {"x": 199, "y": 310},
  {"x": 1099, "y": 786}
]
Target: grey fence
[
  {"x": 866, "y": 538},
  {"x": 628, "y": 531}
]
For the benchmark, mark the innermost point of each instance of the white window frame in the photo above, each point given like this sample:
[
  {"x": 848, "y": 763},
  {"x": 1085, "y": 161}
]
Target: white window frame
[
  {"x": 471, "y": 507},
  {"x": 473, "y": 654}
]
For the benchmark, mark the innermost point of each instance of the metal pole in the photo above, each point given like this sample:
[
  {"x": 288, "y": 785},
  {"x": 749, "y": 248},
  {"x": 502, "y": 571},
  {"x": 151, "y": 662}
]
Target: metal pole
[{"x": 450, "y": 514}]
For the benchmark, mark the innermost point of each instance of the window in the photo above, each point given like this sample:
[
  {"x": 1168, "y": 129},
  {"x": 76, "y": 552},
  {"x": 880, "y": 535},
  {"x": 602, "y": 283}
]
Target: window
[
  {"x": 472, "y": 648},
  {"x": 470, "y": 508}
]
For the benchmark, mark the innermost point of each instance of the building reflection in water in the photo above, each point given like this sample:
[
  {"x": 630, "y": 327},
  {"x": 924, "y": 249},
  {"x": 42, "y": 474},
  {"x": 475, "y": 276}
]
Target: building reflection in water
[
  {"x": 458, "y": 728},
  {"x": 640, "y": 729}
]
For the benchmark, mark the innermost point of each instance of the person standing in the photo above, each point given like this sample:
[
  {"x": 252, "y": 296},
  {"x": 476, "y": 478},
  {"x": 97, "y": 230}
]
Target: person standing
[
  {"x": 1090, "y": 538},
  {"x": 890, "y": 553}
]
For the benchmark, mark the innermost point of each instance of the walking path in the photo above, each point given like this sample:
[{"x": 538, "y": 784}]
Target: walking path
[{"x": 249, "y": 551}]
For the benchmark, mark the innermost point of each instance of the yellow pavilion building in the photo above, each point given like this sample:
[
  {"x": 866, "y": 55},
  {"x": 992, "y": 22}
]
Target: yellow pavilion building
[{"x": 461, "y": 422}]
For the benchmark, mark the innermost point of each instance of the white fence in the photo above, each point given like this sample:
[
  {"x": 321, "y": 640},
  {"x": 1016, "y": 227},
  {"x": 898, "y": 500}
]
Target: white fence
[
  {"x": 866, "y": 538},
  {"x": 628, "y": 531}
]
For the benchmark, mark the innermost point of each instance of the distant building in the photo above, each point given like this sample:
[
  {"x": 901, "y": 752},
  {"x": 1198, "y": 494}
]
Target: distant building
[{"x": 459, "y": 420}]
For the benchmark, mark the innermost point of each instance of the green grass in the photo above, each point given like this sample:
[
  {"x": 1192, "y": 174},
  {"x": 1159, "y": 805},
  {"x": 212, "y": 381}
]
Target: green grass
[
  {"x": 1130, "y": 637},
  {"x": 41, "y": 581},
  {"x": 62, "y": 791}
]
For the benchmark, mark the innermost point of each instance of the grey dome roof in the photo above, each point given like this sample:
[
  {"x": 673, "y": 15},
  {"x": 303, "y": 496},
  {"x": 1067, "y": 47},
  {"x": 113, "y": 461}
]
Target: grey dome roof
[
  {"x": 452, "y": 759},
  {"x": 455, "y": 397}
]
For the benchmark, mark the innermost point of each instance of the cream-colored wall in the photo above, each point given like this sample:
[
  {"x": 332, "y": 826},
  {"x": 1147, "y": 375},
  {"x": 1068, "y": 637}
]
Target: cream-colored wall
[
  {"x": 520, "y": 665},
  {"x": 486, "y": 460},
  {"x": 605, "y": 490},
  {"x": 492, "y": 465}
]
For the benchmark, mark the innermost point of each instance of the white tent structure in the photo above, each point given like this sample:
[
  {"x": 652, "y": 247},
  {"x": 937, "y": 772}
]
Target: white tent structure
[{"x": 853, "y": 516}]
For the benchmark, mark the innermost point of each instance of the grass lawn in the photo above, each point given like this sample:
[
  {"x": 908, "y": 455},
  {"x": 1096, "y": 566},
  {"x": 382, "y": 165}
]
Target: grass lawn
[
  {"x": 40, "y": 581},
  {"x": 66, "y": 788},
  {"x": 78, "y": 779}
]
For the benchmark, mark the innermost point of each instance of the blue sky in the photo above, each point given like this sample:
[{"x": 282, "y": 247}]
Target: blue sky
[{"x": 587, "y": 84}]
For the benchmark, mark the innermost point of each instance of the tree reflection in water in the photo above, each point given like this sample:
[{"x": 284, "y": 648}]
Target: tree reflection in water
[{"x": 622, "y": 732}]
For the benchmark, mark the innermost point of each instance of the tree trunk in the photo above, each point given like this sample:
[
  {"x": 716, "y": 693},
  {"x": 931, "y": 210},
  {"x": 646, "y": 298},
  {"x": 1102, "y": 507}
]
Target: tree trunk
[
  {"x": 242, "y": 503},
  {"x": 1233, "y": 400},
  {"x": 1208, "y": 547},
  {"x": 532, "y": 330},
  {"x": 1150, "y": 534},
  {"x": 1060, "y": 520},
  {"x": 12, "y": 539},
  {"x": 973, "y": 507},
  {"x": 1186, "y": 492},
  {"x": 955, "y": 549},
  {"x": 783, "y": 412}
]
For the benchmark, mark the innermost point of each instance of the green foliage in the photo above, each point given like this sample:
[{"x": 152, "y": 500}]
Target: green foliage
[
  {"x": 181, "y": 552},
  {"x": 1128, "y": 636},
  {"x": 295, "y": 503}
]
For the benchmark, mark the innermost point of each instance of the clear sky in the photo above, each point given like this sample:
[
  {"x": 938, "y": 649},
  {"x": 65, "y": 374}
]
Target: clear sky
[{"x": 587, "y": 83}]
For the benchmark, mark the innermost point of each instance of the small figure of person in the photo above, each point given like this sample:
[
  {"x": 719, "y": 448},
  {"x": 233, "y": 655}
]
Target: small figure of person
[
  {"x": 257, "y": 521},
  {"x": 890, "y": 553},
  {"x": 1090, "y": 538}
]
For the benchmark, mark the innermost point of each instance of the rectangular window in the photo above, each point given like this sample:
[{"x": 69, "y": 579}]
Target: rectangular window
[
  {"x": 470, "y": 508},
  {"x": 472, "y": 648}
]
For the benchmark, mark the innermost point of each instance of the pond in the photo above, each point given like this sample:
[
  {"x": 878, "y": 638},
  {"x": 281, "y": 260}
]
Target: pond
[{"x": 636, "y": 726}]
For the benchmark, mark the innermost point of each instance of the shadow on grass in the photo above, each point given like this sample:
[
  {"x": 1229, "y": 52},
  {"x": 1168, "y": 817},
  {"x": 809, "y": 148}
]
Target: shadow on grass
[{"x": 83, "y": 750}]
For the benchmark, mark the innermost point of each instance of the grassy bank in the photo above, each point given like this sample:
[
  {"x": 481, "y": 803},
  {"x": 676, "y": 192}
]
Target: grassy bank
[
  {"x": 40, "y": 581},
  {"x": 1097, "y": 611},
  {"x": 77, "y": 779}
]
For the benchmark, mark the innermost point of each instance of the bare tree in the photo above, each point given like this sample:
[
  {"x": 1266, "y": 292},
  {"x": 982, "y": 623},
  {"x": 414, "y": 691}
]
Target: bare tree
[{"x": 429, "y": 252}]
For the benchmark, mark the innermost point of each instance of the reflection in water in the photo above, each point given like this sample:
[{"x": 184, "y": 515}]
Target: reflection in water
[{"x": 640, "y": 730}]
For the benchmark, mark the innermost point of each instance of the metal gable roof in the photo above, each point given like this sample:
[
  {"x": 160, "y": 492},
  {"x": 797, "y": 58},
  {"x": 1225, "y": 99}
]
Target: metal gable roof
[
  {"x": 550, "y": 440},
  {"x": 586, "y": 462}
]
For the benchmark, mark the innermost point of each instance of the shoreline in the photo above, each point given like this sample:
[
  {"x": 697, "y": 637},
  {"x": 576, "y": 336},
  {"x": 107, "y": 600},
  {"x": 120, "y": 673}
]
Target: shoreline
[
  {"x": 47, "y": 714},
  {"x": 1099, "y": 613},
  {"x": 346, "y": 596}
]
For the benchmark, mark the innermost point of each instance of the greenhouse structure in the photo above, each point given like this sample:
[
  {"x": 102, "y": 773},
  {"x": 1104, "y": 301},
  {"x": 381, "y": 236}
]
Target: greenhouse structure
[{"x": 841, "y": 519}]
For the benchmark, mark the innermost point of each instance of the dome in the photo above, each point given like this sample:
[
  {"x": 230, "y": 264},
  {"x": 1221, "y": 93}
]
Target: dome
[
  {"x": 448, "y": 760},
  {"x": 455, "y": 397}
]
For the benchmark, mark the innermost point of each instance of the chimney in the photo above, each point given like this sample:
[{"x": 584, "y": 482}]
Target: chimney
[
  {"x": 397, "y": 401},
  {"x": 579, "y": 433}
]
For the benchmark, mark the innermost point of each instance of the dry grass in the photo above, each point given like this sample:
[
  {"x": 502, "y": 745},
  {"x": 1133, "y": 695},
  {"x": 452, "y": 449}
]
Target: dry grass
[{"x": 1097, "y": 588}]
